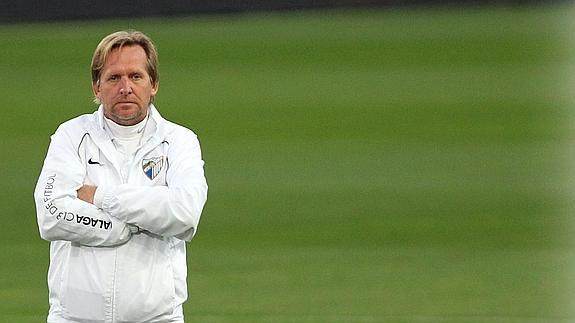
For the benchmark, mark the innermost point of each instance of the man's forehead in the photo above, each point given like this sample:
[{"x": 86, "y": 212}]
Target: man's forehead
[
  {"x": 126, "y": 56},
  {"x": 119, "y": 69}
]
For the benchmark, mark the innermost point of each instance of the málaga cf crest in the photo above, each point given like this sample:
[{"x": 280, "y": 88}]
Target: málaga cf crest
[{"x": 152, "y": 166}]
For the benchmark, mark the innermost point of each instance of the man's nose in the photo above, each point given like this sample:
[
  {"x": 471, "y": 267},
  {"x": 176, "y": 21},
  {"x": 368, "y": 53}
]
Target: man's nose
[{"x": 125, "y": 87}]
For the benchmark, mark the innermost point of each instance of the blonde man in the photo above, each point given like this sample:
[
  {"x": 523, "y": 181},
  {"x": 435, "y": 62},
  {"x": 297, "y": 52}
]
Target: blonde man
[{"x": 120, "y": 192}]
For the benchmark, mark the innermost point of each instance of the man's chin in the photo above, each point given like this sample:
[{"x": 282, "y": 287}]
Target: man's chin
[
  {"x": 126, "y": 120},
  {"x": 127, "y": 117},
  {"x": 126, "y": 108}
]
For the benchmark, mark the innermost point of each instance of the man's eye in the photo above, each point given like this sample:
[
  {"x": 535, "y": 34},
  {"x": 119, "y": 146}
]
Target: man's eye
[
  {"x": 136, "y": 77},
  {"x": 113, "y": 78}
]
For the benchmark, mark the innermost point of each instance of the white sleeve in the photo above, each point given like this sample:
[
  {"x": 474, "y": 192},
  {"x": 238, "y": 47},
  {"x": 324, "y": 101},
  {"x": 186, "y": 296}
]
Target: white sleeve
[
  {"x": 60, "y": 213},
  {"x": 99, "y": 196},
  {"x": 172, "y": 210}
]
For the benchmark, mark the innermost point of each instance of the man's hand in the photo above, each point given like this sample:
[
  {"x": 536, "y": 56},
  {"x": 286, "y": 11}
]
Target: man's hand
[{"x": 86, "y": 193}]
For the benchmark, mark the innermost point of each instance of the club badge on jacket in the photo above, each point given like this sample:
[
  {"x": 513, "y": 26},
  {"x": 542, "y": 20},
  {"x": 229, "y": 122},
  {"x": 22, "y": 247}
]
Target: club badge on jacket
[{"x": 152, "y": 166}]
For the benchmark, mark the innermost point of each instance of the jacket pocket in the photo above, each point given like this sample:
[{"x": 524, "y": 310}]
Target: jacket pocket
[
  {"x": 82, "y": 294},
  {"x": 145, "y": 286}
]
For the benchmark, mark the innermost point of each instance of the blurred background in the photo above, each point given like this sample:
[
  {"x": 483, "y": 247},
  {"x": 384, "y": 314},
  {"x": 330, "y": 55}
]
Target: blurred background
[{"x": 368, "y": 161}]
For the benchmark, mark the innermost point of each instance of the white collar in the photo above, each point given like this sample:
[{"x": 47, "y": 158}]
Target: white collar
[
  {"x": 153, "y": 128},
  {"x": 125, "y": 132}
]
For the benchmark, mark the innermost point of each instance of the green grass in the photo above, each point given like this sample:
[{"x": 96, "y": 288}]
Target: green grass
[{"x": 408, "y": 165}]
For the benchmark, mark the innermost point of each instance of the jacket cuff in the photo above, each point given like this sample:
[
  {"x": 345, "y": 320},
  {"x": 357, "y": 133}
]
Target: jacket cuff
[
  {"x": 99, "y": 196},
  {"x": 110, "y": 203}
]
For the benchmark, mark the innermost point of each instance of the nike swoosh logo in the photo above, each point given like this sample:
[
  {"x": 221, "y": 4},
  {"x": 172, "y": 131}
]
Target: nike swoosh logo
[{"x": 91, "y": 162}]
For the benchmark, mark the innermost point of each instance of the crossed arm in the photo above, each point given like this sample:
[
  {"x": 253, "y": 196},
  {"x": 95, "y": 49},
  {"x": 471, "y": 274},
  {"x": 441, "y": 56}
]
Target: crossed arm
[{"x": 65, "y": 205}]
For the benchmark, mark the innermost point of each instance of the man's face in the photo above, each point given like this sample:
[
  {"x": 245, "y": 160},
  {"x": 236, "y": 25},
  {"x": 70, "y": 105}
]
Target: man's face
[{"x": 125, "y": 88}]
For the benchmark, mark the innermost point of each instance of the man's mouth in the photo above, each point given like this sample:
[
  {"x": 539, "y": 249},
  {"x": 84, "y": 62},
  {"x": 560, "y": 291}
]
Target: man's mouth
[{"x": 125, "y": 103}]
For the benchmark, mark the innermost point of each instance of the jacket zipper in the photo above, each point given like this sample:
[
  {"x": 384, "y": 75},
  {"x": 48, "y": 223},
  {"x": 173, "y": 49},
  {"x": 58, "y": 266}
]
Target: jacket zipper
[{"x": 113, "y": 297}]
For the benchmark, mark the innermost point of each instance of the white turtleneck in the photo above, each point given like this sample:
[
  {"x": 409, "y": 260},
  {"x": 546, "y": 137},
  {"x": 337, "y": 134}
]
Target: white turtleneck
[{"x": 127, "y": 140}]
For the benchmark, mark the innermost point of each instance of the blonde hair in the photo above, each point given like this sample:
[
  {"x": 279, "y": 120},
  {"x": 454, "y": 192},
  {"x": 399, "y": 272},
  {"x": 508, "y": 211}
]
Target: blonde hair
[{"x": 118, "y": 40}]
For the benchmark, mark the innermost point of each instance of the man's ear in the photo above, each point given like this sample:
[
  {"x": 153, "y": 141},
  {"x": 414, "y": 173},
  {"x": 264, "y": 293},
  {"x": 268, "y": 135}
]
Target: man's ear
[
  {"x": 155, "y": 87},
  {"x": 96, "y": 88},
  {"x": 96, "y": 91}
]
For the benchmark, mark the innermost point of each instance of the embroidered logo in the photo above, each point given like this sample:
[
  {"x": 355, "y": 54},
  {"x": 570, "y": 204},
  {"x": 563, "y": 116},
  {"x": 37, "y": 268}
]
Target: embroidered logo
[
  {"x": 91, "y": 162},
  {"x": 152, "y": 166}
]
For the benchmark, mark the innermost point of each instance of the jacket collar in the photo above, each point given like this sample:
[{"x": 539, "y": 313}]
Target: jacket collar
[
  {"x": 154, "y": 126},
  {"x": 154, "y": 133}
]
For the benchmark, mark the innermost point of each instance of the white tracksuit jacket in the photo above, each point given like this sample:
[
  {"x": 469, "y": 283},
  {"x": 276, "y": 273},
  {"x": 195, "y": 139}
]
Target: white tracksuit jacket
[{"x": 126, "y": 261}]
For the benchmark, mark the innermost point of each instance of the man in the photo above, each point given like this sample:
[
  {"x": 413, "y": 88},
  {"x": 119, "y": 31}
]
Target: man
[{"x": 120, "y": 192}]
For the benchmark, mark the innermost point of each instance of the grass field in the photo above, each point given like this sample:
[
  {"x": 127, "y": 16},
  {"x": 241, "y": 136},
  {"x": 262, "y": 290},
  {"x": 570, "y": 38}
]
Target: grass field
[{"x": 409, "y": 165}]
